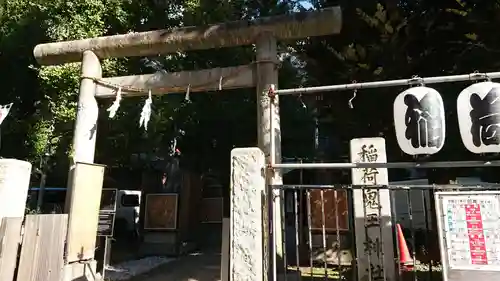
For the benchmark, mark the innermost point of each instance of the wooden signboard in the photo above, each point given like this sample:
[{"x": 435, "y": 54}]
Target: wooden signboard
[
  {"x": 161, "y": 211},
  {"x": 83, "y": 202},
  {"x": 330, "y": 207}
]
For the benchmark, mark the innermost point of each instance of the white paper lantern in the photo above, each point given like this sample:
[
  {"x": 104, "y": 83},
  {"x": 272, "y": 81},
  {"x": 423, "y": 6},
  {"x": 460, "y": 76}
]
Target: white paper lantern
[
  {"x": 478, "y": 110},
  {"x": 419, "y": 121}
]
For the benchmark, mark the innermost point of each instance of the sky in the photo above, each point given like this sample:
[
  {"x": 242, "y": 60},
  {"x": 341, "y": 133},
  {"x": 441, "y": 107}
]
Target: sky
[{"x": 306, "y": 4}]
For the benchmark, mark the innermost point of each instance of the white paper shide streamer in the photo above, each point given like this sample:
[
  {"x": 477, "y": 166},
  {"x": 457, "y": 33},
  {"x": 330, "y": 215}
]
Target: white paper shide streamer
[
  {"x": 116, "y": 104},
  {"x": 146, "y": 112},
  {"x": 4, "y": 111}
]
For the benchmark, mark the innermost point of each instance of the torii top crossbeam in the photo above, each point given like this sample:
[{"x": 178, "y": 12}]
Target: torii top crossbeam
[{"x": 244, "y": 32}]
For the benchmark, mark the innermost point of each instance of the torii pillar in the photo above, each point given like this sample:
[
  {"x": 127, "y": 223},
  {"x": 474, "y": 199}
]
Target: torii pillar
[{"x": 263, "y": 32}]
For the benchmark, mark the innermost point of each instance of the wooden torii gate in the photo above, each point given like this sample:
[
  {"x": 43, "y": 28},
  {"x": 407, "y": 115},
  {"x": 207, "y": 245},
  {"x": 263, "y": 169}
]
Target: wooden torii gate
[{"x": 263, "y": 74}]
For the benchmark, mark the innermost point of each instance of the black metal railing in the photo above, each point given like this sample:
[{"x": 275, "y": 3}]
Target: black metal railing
[{"x": 320, "y": 232}]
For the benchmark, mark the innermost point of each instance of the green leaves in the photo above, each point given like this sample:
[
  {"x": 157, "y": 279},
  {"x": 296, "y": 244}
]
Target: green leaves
[
  {"x": 471, "y": 36},
  {"x": 47, "y": 107}
]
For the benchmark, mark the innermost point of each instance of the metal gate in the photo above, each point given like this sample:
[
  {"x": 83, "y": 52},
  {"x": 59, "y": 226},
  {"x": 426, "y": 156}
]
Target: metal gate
[
  {"x": 319, "y": 237},
  {"x": 327, "y": 230}
]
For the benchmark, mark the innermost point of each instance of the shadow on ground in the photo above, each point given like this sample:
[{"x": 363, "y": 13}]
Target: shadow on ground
[
  {"x": 206, "y": 267},
  {"x": 346, "y": 274},
  {"x": 193, "y": 267}
]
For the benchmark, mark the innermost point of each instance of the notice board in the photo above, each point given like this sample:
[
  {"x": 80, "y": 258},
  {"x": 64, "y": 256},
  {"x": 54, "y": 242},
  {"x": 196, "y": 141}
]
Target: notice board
[
  {"x": 161, "y": 211},
  {"x": 469, "y": 234}
]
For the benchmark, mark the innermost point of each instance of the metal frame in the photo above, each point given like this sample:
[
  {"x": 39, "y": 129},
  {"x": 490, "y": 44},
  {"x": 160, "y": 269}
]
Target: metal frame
[
  {"x": 107, "y": 240},
  {"x": 272, "y": 93},
  {"x": 417, "y": 165},
  {"x": 391, "y": 83},
  {"x": 378, "y": 84},
  {"x": 388, "y": 186}
]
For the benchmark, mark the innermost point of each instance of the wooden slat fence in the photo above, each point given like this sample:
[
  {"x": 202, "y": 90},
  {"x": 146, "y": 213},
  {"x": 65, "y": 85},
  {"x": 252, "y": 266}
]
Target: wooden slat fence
[
  {"x": 10, "y": 237},
  {"x": 42, "y": 248}
]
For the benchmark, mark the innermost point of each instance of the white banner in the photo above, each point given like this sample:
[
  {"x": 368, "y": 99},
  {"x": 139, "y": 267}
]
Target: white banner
[{"x": 4, "y": 111}]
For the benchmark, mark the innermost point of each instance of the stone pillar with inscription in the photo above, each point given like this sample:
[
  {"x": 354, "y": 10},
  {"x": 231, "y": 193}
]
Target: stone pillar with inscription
[
  {"x": 372, "y": 212},
  {"x": 248, "y": 260}
]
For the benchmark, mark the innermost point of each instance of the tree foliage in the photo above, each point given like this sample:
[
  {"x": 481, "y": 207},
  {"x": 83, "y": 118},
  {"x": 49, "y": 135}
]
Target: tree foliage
[{"x": 396, "y": 39}]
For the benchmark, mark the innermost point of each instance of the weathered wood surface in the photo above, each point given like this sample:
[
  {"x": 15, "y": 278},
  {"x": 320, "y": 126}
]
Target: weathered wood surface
[
  {"x": 42, "y": 250},
  {"x": 14, "y": 184},
  {"x": 163, "y": 83},
  {"x": 83, "y": 209},
  {"x": 299, "y": 25},
  {"x": 10, "y": 237}
]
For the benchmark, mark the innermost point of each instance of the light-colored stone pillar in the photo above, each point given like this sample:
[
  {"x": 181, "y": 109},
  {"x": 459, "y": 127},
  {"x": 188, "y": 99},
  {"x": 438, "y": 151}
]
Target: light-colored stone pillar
[
  {"x": 85, "y": 132},
  {"x": 268, "y": 119},
  {"x": 248, "y": 190},
  {"x": 372, "y": 212},
  {"x": 14, "y": 184}
]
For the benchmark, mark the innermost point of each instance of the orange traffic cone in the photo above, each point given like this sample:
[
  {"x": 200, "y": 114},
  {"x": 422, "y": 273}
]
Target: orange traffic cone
[{"x": 405, "y": 259}]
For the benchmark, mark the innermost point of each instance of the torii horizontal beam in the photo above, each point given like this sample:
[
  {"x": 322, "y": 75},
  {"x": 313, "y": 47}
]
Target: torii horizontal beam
[
  {"x": 162, "y": 83},
  {"x": 237, "y": 33}
]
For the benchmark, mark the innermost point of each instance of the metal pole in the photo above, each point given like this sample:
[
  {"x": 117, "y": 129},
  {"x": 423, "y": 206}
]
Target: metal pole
[
  {"x": 390, "y": 83},
  {"x": 423, "y": 165},
  {"x": 272, "y": 142},
  {"x": 107, "y": 255},
  {"x": 390, "y": 186},
  {"x": 272, "y": 159}
]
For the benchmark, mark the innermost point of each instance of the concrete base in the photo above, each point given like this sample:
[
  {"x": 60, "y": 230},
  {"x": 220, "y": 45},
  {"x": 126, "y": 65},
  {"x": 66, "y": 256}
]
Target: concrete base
[
  {"x": 158, "y": 244},
  {"x": 164, "y": 244},
  {"x": 81, "y": 271}
]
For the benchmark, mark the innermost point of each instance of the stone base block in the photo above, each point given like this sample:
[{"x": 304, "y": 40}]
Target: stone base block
[{"x": 81, "y": 271}]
